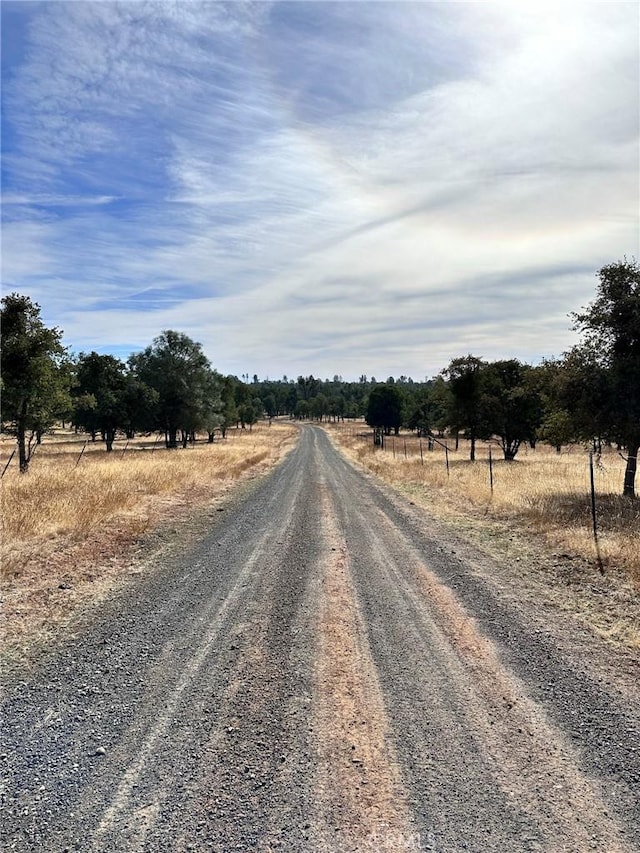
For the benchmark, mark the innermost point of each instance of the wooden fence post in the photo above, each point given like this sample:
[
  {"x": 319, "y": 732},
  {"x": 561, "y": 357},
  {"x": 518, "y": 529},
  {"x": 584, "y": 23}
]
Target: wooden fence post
[
  {"x": 4, "y": 471},
  {"x": 84, "y": 447},
  {"x": 594, "y": 516},
  {"x": 490, "y": 469}
]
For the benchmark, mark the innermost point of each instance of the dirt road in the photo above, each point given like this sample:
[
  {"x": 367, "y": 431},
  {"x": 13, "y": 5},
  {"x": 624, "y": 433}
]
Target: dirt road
[{"x": 325, "y": 672}]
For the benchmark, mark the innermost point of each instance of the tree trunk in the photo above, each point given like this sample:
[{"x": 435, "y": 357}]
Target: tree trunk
[
  {"x": 109, "y": 436},
  {"x": 472, "y": 454},
  {"x": 630, "y": 472},
  {"x": 510, "y": 448},
  {"x": 22, "y": 439},
  {"x": 172, "y": 438},
  {"x": 185, "y": 438},
  {"x": 211, "y": 435}
]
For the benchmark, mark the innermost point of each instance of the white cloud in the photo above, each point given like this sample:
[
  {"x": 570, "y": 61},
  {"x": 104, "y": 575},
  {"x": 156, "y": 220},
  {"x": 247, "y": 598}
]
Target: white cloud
[{"x": 330, "y": 187}]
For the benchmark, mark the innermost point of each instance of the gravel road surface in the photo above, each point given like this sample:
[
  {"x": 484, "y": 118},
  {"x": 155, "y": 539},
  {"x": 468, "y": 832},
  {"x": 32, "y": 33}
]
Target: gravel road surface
[{"x": 325, "y": 671}]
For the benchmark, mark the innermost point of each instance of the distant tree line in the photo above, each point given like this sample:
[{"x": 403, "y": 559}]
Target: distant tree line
[{"x": 591, "y": 394}]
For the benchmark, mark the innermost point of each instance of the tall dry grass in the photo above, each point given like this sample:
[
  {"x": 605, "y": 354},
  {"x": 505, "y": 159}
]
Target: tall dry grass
[
  {"x": 73, "y": 525},
  {"x": 69, "y": 495},
  {"x": 540, "y": 492}
]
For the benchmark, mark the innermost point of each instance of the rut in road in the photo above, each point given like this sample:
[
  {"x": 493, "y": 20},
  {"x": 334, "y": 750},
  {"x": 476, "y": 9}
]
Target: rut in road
[{"x": 319, "y": 674}]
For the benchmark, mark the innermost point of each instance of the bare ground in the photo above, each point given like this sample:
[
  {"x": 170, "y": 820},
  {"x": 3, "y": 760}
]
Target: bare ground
[
  {"x": 57, "y": 578},
  {"x": 328, "y": 669}
]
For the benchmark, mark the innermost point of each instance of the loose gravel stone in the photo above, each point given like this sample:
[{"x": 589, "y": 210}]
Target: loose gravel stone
[{"x": 506, "y": 727}]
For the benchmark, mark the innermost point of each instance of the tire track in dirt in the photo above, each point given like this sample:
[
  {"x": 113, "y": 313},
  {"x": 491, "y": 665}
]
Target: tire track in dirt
[
  {"x": 530, "y": 758},
  {"x": 360, "y": 793},
  {"x": 121, "y": 803},
  {"x": 480, "y": 755},
  {"x": 135, "y": 808}
]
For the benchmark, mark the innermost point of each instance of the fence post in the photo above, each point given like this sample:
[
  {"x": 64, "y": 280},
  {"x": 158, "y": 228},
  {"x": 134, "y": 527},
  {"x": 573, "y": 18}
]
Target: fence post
[
  {"x": 4, "y": 471},
  {"x": 84, "y": 447},
  {"x": 421, "y": 457},
  {"x": 594, "y": 516},
  {"x": 490, "y": 469},
  {"x": 125, "y": 448},
  {"x": 446, "y": 456}
]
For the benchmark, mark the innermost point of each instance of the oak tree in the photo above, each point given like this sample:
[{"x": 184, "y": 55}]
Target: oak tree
[
  {"x": 35, "y": 374},
  {"x": 611, "y": 329}
]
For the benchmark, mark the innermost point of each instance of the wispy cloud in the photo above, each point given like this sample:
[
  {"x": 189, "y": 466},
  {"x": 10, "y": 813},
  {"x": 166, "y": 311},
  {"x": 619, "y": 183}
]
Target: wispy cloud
[{"x": 327, "y": 187}]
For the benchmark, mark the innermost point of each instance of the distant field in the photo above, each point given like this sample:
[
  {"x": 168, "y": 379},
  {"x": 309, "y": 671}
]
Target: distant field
[
  {"x": 71, "y": 524},
  {"x": 540, "y": 492}
]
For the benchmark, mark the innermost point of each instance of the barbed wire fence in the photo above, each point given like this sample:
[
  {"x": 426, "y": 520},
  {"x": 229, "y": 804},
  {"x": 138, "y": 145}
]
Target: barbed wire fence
[{"x": 594, "y": 502}]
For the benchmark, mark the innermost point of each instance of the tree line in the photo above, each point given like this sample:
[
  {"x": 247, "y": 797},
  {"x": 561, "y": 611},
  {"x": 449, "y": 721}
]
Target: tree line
[
  {"x": 169, "y": 387},
  {"x": 590, "y": 394}
]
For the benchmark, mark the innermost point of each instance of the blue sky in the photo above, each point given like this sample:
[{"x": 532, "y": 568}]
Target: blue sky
[{"x": 318, "y": 187}]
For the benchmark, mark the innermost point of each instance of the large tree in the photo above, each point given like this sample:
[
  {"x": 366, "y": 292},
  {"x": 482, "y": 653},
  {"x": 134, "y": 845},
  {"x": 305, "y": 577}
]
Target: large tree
[
  {"x": 34, "y": 370},
  {"x": 611, "y": 329},
  {"x": 178, "y": 370},
  {"x": 584, "y": 393},
  {"x": 101, "y": 391},
  {"x": 229, "y": 414},
  {"x": 211, "y": 414},
  {"x": 108, "y": 398},
  {"x": 467, "y": 404},
  {"x": 512, "y": 403},
  {"x": 384, "y": 409}
]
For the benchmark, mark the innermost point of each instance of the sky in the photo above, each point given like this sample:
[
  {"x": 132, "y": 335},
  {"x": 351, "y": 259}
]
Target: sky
[{"x": 319, "y": 187}]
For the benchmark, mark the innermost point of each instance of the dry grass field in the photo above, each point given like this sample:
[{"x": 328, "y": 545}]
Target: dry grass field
[
  {"x": 539, "y": 512},
  {"x": 72, "y": 526}
]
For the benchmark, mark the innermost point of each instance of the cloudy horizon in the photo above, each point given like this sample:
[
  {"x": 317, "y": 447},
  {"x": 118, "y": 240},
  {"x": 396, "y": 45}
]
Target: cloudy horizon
[{"x": 318, "y": 187}]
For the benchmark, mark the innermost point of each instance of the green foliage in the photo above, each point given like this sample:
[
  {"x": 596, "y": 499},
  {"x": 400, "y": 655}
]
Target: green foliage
[
  {"x": 467, "y": 405},
  {"x": 610, "y": 355},
  {"x": 318, "y": 407},
  {"x": 248, "y": 415},
  {"x": 557, "y": 428},
  {"x": 308, "y": 387},
  {"x": 178, "y": 370},
  {"x": 417, "y": 413},
  {"x": 35, "y": 373},
  {"x": 270, "y": 405},
  {"x": 229, "y": 408},
  {"x": 592, "y": 393},
  {"x": 301, "y": 411},
  {"x": 384, "y": 409},
  {"x": 439, "y": 402},
  {"x": 100, "y": 389},
  {"x": 584, "y": 391},
  {"x": 211, "y": 415},
  {"x": 140, "y": 402},
  {"x": 512, "y": 404}
]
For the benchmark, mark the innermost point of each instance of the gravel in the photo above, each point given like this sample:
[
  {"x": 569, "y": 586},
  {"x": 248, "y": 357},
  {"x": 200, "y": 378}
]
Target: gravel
[{"x": 182, "y": 714}]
